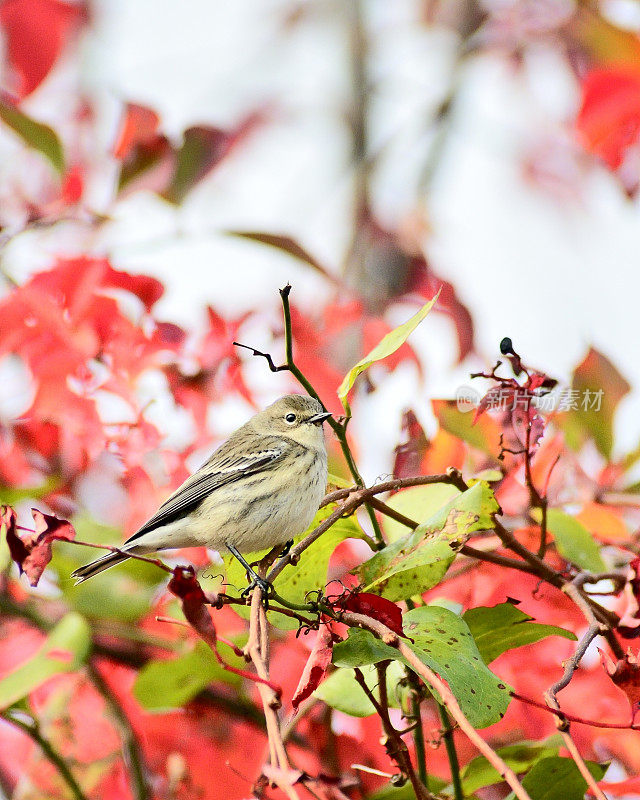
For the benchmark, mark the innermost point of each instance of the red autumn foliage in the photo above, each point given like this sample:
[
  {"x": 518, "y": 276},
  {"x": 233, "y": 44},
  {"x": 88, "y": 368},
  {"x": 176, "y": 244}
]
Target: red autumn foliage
[
  {"x": 33, "y": 552},
  {"x": 37, "y": 31},
  {"x": 609, "y": 119},
  {"x": 316, "y": 666}
]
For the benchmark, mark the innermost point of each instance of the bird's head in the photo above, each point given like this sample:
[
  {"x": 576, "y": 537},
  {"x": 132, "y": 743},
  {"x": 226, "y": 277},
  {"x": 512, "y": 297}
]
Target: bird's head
[{"x": 296, "y": 416}]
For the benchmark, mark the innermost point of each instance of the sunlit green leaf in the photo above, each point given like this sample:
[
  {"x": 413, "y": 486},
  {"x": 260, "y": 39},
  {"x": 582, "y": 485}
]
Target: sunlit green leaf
[
  {"x": 418, "y": 503},
  {"x": 443, "y": 642},
  {"x": 417, "y": 562},
  {"x": 505, "y": 627},
  {"x": 35, "y": 134},
  {"x": 574, "y": 541},
  {"x": 556, "y": 778},
  {"x": 64, "y": 650},
  {"x": 385, "y": 347},
  {"x": 310, "y": 573},
  {"x": 165, "y": 684},
  {"x": 343, "y": 692}
]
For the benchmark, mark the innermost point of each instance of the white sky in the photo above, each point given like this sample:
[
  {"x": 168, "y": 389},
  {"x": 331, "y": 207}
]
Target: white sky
[{"x": 554, "y": 274}]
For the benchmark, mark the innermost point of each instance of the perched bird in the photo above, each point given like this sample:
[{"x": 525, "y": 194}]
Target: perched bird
[{"x": 259, "y": 489}]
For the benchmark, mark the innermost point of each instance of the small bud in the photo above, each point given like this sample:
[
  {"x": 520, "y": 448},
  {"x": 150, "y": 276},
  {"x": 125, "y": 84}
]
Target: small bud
[{"x": 506, "y": 346}]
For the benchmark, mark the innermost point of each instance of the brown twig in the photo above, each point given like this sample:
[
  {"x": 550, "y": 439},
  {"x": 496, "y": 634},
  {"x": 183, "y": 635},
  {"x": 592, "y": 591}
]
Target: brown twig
[{"x": 395, "y": 747}]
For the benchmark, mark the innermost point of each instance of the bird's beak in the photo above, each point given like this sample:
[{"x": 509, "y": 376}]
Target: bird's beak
[{"x": 318, "y": 419}]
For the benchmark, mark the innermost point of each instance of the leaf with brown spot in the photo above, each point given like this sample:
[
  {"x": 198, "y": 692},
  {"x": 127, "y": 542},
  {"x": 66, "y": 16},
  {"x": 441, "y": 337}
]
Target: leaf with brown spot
[{"x": 417, "y": 562}]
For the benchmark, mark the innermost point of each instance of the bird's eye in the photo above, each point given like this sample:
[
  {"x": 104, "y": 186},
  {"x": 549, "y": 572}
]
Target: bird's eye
[{"x": 290, "y": 418}]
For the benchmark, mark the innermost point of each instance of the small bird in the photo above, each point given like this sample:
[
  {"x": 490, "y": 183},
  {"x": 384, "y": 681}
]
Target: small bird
[{"x": 259, "y": 489}]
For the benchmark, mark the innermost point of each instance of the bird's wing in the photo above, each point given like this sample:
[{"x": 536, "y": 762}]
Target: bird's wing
[{"x": 201, "y": 484}]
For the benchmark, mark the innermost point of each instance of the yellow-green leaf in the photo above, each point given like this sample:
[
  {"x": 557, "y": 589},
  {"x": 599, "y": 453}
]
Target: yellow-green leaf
[{"x": 385, "y": 347}]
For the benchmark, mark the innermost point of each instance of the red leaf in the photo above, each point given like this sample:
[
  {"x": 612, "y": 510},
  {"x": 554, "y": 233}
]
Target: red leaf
[
  {"x": 36, "y": 31},
  {"x": 521, "y": 419},
  {"x": 33, "y": 553},
  {"x": 316, "y": 666},
  {"x": 139, "y": 126},
  {"x": 609, "y": 118},
  {"x": 409, "y": 454},
  {"x": 72, "y": 186},
  {"x": 376, "y": 607},
  {"x": 625, "y": 673},
  {"x": 500, "y": 397},
  {"x": 184, "y": 585}
]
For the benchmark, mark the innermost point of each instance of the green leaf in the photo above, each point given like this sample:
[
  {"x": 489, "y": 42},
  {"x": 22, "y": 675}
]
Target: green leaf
[
  {"x": 484, "y": 435},
  {"x": 443, "y": 642},
  {"x": 124, "y": 593},
  {"x": 64, "y": 650},
  {"x": 574, "y": 542},
  {"x": 417, "y": 502},
  {"x": 343, "y": 692},
  {"x": 295, "y": 582},
  {"x": 504, "y": 627},
  {"x": 556, "y": 778},
  {"x": 162, "y": 685},
  {"x": 411, "y": 565},
  {"x": 520, "y": 757},
  {"x": 34, "y": 134},
  {"x": 600, "y": 388},
  {"x": 385, "y": 347}
]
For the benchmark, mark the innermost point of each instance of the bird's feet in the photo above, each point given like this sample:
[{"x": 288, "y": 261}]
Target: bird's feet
[
  {"x": 286, "y": 549},
  {"x": 264, "y": 585}
]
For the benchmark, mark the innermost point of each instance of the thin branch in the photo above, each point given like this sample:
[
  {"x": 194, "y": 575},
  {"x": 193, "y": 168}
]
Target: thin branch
[
  {"x": 595, "y": 723},
  {"x": 452, "y": 755},
  {"x": 30, "y": 726},
  {"x": 394, "y": 745},
  {"x": 140, "y": 787}
]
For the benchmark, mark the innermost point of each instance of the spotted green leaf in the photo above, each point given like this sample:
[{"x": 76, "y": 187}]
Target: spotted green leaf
[
  {"x": 417, "y": 562},
  {"x": 443, "y": 642}
]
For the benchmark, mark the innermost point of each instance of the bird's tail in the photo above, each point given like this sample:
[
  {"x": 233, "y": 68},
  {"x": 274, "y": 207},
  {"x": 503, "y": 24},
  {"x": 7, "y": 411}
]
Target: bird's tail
[{"x": 99, "y": 565}]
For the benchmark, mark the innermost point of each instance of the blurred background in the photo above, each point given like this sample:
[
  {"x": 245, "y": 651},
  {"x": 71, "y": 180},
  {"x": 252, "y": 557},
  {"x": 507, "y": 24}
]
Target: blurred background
[{"x": 466, "y": 134}]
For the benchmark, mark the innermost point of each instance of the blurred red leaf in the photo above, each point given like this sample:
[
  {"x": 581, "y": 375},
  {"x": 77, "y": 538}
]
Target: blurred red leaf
[
  {"x": 138, "y": 126},
  {"x": 409, "y": 454},
  {"x": 609, "y": 118},
  {"x": 316, "y": 666},
  {"x": 33, "y": 552},
  {"x": 625, "y": 673},
  {"x": 72, "y": 186},
  {"x": 36, "y": 32},
  {"x": 424, "y": 281},
  {"x": 185, "y": 586}
]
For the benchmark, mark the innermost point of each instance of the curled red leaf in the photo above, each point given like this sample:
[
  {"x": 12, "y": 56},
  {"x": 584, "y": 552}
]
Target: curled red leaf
[
  {"x": 33, "y": 552},
  {"x": 374, "y": 606},
  {"x": 409, "y": 454},
  {"x": 185, "y": 586},
  {"x": 315, "y": 668}
]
